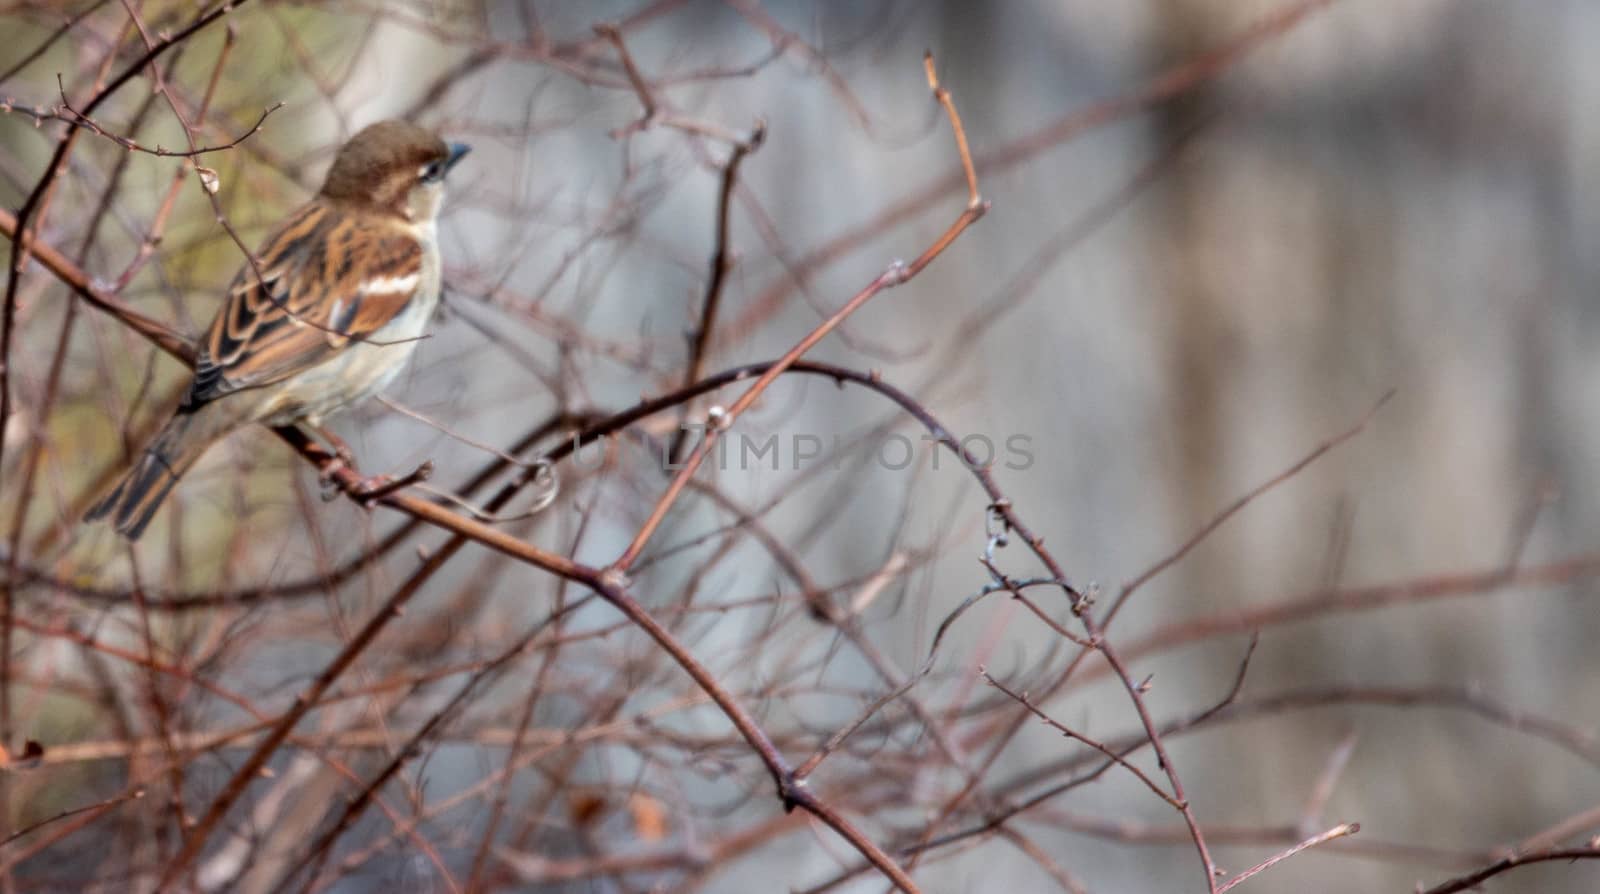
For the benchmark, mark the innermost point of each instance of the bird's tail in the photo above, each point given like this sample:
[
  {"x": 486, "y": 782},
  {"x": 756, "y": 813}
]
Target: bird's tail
[{"x": 135, "y": 499}]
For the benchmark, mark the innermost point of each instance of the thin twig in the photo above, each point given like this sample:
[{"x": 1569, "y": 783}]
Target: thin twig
[
  {"x": 1472, "y": 880},
  {"x": 721, "y": 264},
  {"x": 897, "y": 274},
  {"x": 78, "y": 119},
  {"x": 1340, "y": 831},
  {"x": 1021, "y": 698},
  {"x": 97, "y": 808}
]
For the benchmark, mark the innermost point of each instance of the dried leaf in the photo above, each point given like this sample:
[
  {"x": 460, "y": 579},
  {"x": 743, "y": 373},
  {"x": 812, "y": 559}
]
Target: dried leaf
[
  {"x": 585, "y": 808},
  {"x": 649, "y": 817}
]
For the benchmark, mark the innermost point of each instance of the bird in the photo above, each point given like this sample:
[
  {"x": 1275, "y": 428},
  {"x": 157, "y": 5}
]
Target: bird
[{"x": 326, "y": 313}]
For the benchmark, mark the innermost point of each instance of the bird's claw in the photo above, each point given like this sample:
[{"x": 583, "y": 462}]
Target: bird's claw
[
  {"x": 328, "y": 475},
  {"x": 368, "y": 491}
]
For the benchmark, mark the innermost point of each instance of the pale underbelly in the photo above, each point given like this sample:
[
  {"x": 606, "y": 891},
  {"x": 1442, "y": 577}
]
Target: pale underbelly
[{"x": 355, "y": 373}]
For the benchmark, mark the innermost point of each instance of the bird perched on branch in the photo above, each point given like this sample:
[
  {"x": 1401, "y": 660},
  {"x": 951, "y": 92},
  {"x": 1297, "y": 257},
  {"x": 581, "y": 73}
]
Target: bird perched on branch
[{"x": 325, "y": 314}]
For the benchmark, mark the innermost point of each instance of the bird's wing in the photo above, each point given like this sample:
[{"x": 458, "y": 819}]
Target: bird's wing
[{"x": 326, "y": 278}]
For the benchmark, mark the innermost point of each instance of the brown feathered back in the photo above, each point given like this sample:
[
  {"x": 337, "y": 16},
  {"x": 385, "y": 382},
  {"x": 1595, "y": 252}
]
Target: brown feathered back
[{"x": 308, "y": 302}]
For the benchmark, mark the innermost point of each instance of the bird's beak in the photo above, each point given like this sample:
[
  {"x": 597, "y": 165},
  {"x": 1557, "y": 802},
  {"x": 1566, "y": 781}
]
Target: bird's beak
[{"x": 457, "y": 152}]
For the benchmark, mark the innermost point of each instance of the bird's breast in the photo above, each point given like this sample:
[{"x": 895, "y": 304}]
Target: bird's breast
[{"x": 362, "y": 368}]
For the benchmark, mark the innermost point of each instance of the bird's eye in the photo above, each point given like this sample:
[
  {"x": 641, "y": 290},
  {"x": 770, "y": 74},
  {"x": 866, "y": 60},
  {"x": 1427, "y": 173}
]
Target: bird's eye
[{"x": 432, "y": 173}]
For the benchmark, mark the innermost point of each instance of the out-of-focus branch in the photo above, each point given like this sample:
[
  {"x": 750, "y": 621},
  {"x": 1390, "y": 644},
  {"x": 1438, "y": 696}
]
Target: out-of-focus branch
[
  {"x": 721, "y": 264},
  {"x": 1169, "y": 84},
  {"x": 896, "y": 275},
  {"x": 99, "y": 296}
]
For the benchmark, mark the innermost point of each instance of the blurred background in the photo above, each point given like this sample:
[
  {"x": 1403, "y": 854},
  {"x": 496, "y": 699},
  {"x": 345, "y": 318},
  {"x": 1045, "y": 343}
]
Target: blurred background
[{"x": 1222, "y": 232}]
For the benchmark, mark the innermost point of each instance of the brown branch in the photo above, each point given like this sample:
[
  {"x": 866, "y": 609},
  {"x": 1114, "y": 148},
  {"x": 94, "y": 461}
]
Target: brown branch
[
  {"x": 100, "y": 297},
  {"x": 773, "y": 371},
  {"x": 641, "y": 87},
  {"x": 1277, "y": 704},
  {"x": 44, "y": 46},
  {"x": 609, "y": 583},
  {"x": 602, "y": 582},
  {"x": 676, "y": 620},
  {"x": 897, "y": 274},
  {"x": 1335, "y": 601},
  {"x": 1136, "y": 695},
  {"x": 20, "y": 225},
  {"x": 1164, "y": 87},
  {"x": 318, "y": 852},
  {"x": 721, "y": 264},
  {"x": 867, "y": 380},
  {"x": 783, "y": 40},
  {"x": 78, "y": 119},
  {"x": 307, "y": 699},
  {"x": 1472, "y": 880},
  {"x": 96, "y": 809},
  {"x": 1340, "y": 831},
  {"x": 1021, "y": 698},
  {"x": 1094, "y": 628},
  {"x": 1237, "y": 506}
]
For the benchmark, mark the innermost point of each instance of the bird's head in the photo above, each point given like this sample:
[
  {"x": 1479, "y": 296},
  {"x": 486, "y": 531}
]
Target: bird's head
[{"x": 393, "y": 167}]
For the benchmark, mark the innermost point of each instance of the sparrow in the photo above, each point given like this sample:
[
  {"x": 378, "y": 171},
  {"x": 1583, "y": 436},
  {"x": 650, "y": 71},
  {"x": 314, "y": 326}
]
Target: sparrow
[{"x": 325, "y": 314}]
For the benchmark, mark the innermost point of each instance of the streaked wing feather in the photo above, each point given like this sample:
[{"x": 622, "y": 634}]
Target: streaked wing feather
[{"x": 326, "y": 278}]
